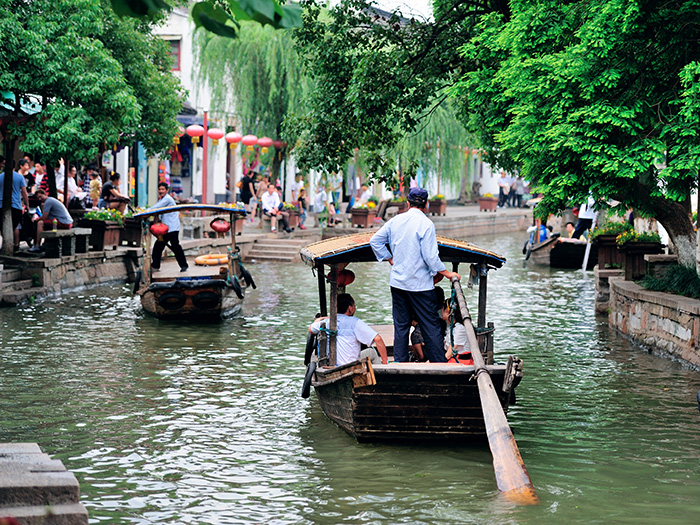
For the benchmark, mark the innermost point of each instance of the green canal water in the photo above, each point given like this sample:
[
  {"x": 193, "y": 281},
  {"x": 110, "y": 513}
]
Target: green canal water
[{"x": 181, "y": 423}]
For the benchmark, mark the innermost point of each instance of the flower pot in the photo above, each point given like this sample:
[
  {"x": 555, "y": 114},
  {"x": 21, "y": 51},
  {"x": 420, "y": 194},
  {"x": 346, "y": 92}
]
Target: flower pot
[
  {"x": 105, "y": 235},
  {"x": 293, "y": 218},
  {"x": 608, "y": 254},
  {"x": 437, "y": 207},
  {"x": 131, "y": 233},
  {"x": 487, "y": 203},
  {"x": 363, "y": 218},
  {"x": 633, "y": 257}
]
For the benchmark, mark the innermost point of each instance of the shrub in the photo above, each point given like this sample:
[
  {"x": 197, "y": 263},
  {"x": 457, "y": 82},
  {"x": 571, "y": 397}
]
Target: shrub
[
  {"x": 611, "y": 228},
  {"x": 104, "y": 214},
  {"x": 633, "y": 236},
  {"x": 678, "y": 279}
]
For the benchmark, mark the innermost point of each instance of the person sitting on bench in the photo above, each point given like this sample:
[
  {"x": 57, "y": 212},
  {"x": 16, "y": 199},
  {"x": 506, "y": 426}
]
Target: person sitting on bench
[
  {"x": 271, "y": 206},
  {"x": 53, "y": 209}
]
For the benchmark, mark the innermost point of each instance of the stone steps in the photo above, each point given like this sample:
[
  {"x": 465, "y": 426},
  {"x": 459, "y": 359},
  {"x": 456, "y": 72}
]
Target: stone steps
[
  {"x": 18, "y": 297},
  {"x": 13, "y": 286},
  {"x": 10, "y": 274},
  {"x": 276, "y": 250},
  {"x": 37, "y": 489}
]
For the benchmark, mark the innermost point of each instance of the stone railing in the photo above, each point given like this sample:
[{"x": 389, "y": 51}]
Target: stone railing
[{"x": 665, "y": 323}]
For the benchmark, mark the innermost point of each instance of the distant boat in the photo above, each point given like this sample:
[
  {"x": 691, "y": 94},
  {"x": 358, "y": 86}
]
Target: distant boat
[
  {"x": 207, "y": 292},
  {"x": 558, "y": 252}
]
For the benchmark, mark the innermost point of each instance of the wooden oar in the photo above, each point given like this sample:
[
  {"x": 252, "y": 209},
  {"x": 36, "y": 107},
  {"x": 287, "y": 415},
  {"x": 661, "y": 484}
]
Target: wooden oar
[{"x": 511, "y": 475}]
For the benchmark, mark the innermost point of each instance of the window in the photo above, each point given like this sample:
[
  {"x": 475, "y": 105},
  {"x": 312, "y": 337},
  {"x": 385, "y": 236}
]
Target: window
[{"x": 175, "y": 53}]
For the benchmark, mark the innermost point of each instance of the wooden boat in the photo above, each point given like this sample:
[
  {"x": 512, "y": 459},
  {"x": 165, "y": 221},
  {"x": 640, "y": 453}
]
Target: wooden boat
[
  {"x": 448, "y": 403},
  {"x": 558, "y": 252},
  {"x": 407, "y": 401},
  {"x": 202, "y": 293}
]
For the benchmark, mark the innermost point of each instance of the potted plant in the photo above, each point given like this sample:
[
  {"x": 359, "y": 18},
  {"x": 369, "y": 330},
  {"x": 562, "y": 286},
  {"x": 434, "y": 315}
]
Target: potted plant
[
  {"x": 106, "y": 224},
  {"x": 363, "y": 215},
  {"x": 132, "y": 231},
  {"x": 437, "y": 205},
  {"x": 487, "y": 202},
  {"x": 605, "y": 237},
  {"x": 634, "y": 246},
  {"x": 399, "y": 202},
  {"x": 293, "y": 214}
]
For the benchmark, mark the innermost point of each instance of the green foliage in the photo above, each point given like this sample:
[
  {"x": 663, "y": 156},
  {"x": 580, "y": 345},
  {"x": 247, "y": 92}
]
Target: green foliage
[
  {"x": 219, "y": 17},
  {"x": 601, "y": 97},
  {"x": 96, "y": 79},
  {"x": 632, "y": 236},
  {"x": 379, "y": 87},
  {"x": 677, "y": 279},
  {"x": 611, "y": 228},
  {"x": 105, "y": 214},
  {"x": 259, "y": 74}
]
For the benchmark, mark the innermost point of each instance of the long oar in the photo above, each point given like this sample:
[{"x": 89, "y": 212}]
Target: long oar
[{"x": 511, "y": 475}]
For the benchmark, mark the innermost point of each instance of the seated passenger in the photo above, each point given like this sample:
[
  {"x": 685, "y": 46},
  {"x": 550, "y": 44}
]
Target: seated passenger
[
  {"x": 455, "y": 342},
  {"x": 352, "y": 332}
]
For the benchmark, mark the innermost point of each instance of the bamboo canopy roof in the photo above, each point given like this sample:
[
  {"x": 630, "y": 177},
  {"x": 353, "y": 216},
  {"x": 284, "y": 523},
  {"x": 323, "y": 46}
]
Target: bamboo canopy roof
[
  {"x": 356, "y": 248},
  {"x": 240, "y": 212}
]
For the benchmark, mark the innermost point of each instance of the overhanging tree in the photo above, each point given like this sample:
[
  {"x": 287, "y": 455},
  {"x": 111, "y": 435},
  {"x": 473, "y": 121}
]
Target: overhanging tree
[
  {"x": 97, "y": 80},
  {"x": 259, "y": 75},
  {"x": 593, "y": 97}
]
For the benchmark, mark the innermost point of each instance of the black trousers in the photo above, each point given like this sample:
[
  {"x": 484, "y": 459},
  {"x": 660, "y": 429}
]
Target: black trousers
[
  {"x": 170, "y": 239},
  {"x": 581, "y": 226},
  {"x": 423, "y": 304}
]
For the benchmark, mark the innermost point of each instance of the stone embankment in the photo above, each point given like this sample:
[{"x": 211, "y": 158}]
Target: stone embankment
[
  {"x": 664, "y": 323},
  {"x": 35, "y": 489}
]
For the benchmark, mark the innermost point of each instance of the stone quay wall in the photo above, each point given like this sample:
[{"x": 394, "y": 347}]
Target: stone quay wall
[
  {"x": 483, "y": 224},
  {"x": 664, "y": 323}
]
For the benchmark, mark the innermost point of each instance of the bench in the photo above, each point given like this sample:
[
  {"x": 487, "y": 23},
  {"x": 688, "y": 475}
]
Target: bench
[{"x": 65, "y": 242}]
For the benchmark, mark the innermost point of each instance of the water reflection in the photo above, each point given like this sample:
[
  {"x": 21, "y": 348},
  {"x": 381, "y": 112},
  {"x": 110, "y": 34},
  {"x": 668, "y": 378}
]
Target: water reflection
[{"x": 186, "y": 423}]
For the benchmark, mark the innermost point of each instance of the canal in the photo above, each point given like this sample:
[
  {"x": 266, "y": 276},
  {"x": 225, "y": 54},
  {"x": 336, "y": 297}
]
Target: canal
[{"x": 182, "y": 423}]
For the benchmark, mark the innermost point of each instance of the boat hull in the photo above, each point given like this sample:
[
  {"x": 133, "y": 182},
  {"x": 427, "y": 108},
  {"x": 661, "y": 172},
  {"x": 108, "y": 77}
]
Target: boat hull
[
  {"x": 411, "y": 402},
  {"x": 559, "y": 253},
  {"x": 203, "y": 300}
]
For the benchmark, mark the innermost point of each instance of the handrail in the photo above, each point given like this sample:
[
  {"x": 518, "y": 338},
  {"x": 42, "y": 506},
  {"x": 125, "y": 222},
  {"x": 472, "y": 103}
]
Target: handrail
[{"x": 512, "y": 478}]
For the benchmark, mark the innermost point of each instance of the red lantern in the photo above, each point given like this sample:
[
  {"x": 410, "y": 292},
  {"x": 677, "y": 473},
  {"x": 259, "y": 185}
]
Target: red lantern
[
  {"x": 249, "y": 141},
  {"x": 220, "y": 225},
  {"x": 265, "y": 143},
  {"x": 195, "y": 131},
  {"x": 180, "y": 133},
  {"x": 215, "y": 134},
  {"x": 279, "y": 144},
  {"x": 345, "y": 277},
  {"x": 233, "y": 139}
]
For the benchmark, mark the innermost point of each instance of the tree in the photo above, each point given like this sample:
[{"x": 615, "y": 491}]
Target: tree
[
  {"x": 593, "y": 97},
  {"x": 379, "y": 78},
  {"x": 259, "y": 74},
  {"x": 94, "y": 78}
]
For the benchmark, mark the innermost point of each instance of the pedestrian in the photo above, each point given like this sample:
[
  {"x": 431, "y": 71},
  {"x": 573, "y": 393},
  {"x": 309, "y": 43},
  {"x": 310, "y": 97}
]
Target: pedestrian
[
  {"x": 586, "y": 214},
  {"x": 415, "y": 268},
  {"x": 302, "y": 208},
  {"x": 53, "y": 210},
  {"x": 17, "y": 198},
  {"x": 503, "y": 189},
  {"x": 172, "y": 238}
]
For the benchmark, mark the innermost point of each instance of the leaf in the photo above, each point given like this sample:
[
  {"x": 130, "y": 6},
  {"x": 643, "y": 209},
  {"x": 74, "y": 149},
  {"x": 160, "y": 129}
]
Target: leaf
[
  {"x": 140, "y": 8},
  {"x": 213, "y": 18}
]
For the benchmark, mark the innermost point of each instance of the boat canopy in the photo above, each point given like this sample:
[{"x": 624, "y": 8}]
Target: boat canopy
[
  {"x": 240, "y": 212},
  {"x": 356, "y": 248}
]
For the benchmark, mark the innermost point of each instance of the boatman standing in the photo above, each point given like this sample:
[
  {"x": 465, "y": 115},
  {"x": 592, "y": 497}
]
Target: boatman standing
[
  {"x": 172, "y": 238},
  {"x": 409, "y": 243}
]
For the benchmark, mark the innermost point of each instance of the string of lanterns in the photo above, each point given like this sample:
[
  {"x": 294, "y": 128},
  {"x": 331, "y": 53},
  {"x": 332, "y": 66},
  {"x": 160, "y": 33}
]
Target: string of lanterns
[{"x": 195, "y": 131}]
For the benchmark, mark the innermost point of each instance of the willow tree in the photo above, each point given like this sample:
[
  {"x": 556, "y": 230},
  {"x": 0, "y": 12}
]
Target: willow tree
[{"x": 259, "y": 75}]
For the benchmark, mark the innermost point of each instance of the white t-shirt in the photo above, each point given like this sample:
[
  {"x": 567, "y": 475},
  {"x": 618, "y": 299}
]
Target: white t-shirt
[
  {"x": 320, "y": 201},
  {"x": 270, "y": 201},
  {"x": 296, "y": 186},
  {"x": 460, "y": 338},
  {"x": 586, "y": 210},
  {"x": 364, "y": 198},
  {"x": 352, "y": 332}
]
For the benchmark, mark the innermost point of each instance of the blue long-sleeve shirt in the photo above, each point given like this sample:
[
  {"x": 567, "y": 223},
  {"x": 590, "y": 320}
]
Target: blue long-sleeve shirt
[
  {"x": 413, "y": 244},
  {"x": 171, "y": 219}
]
